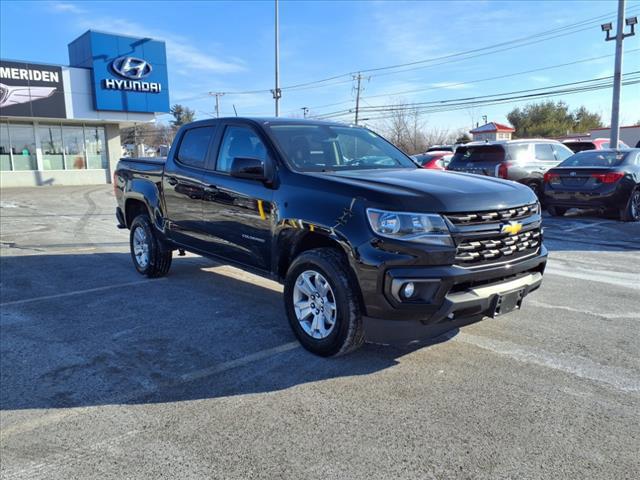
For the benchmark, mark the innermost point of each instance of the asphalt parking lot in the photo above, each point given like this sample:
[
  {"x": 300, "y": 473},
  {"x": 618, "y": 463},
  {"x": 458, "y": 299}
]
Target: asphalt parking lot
[{"x": 105, "y": 374}]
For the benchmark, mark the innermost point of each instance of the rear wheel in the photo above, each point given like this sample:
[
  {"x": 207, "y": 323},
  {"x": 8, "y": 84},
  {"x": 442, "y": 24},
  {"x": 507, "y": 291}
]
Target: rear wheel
[
  {"x": 536, "y": 187},
  {"x": 150, "y": 256},
  {"x": 556, "y": 211},
  {"x": 320, "y": 295},
  {"x": 631, "y": 212}
]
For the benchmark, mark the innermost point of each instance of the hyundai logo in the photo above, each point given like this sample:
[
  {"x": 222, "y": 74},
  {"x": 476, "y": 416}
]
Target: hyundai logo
[{"x": 131, "y": 67}]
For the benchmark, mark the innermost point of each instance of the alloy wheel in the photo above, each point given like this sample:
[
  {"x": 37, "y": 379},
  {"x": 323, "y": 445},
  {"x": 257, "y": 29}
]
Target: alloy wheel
[
  {"x": 314, "y": 304},
  {"x": 141, "y": 247}
]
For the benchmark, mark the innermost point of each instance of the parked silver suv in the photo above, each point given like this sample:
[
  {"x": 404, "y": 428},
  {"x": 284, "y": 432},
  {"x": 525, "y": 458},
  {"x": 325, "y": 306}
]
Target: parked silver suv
[{"x": 523, "y": 161}]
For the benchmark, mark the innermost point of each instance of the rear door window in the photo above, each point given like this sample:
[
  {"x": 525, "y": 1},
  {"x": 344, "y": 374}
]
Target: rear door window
[
  {"x": 544, "y": 152},
  {"x": 194, "y": 146}
]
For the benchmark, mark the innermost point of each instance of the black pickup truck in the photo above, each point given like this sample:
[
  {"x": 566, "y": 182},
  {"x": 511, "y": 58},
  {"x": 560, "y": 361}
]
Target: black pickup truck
[{"x": 367, "y": 244}]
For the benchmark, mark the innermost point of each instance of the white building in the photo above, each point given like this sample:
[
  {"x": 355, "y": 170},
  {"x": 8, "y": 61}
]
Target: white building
[
  {"x": 60, "y": 125},
  {"x": 492, "y": 131}
]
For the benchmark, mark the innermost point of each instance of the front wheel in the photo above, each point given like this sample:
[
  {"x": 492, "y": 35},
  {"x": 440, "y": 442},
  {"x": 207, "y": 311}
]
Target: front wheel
[
  {"x": 631, "y": 211},
  {"x": 321, "y": 301},
  {"x": 149, "y": 255}
]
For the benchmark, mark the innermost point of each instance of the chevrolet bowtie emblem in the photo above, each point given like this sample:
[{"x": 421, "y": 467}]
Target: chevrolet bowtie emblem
[{"x": 512, "y": 228}]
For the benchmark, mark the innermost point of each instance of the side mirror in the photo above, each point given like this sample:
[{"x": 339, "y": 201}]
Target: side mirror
[{"x": 246, "y": 167}]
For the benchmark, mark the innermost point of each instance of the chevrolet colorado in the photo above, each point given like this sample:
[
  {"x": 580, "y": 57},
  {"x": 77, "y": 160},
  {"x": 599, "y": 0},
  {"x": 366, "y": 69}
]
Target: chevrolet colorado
[{"x": 367, "y": 244}]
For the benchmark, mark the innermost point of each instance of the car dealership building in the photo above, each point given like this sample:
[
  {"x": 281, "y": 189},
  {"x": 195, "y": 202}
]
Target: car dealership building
[{"x": 60, "y": 125}]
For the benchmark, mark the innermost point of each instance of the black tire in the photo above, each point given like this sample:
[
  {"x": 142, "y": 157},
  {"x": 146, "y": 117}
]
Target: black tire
[
  {"x": 556, "y": 211},
  {"x": 536, "y": 187},
  {"x": 348, "y": 331},
  {"x": 631, "y": 211},
  {"x": 158, "y": 255}
]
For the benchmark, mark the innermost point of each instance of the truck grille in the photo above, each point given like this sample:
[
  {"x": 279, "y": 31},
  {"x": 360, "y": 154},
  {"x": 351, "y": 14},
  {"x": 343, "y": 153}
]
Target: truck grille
[
  {"x": 493, "y": 216},
  {"x": 498, "y": 249}
]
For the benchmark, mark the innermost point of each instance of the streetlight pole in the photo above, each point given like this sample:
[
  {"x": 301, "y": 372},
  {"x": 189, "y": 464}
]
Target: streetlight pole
[
  {"x": 277, "y": 93},
  {"x": 614, "y": 135}
]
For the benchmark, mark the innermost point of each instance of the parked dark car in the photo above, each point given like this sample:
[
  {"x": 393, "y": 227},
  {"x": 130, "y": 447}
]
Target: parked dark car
[
  {"x": 365, "y": 242},
  {"x": 523, "y": 161},
  {"x": 436, "y": 160},
  {"x": 602, "y": 179},
  {"x": 580, "y": 145}
]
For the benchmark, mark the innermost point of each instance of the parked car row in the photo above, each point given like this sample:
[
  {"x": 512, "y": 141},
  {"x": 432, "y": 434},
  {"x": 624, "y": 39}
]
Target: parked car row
[{"x": 596, "y": 176}]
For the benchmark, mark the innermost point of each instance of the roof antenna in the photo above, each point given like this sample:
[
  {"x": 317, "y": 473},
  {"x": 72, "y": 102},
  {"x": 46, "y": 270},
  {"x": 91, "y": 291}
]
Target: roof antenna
[{"x": 234, "y": 109}]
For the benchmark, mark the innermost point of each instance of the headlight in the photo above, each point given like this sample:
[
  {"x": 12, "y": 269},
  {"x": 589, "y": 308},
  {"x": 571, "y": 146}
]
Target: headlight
[{"x": 410, "y": 227}]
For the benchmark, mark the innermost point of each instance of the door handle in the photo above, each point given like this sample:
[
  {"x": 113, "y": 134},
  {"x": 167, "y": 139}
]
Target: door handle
[{"x": 172, "y": 181}]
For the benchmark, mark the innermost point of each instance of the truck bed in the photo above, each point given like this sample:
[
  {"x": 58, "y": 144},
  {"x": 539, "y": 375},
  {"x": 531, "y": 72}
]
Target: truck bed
[{"x": 145, "y": 166}]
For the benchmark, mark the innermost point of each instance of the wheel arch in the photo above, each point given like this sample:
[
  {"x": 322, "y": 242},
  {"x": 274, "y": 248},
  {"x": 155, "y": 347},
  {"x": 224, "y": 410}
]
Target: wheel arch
[{"x": 143, "y": 197}]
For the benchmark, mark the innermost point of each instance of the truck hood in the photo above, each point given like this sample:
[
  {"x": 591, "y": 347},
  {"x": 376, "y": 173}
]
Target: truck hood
[{"x": 436, "y": 191}]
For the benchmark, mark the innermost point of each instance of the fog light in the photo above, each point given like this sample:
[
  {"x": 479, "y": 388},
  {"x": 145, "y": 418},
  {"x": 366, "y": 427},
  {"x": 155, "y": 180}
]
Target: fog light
[{"x": 408, "y": 290}]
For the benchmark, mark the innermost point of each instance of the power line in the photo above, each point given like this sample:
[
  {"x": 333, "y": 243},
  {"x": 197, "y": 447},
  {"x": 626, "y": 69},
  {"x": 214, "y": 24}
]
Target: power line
[
  {"x": 583, "y": 23},
  {"x": 305, "y": 85},
  {"x": 469, "y": 100},
  {"x": 469, "y": 82},
  {"x": 510, "y": 100}
]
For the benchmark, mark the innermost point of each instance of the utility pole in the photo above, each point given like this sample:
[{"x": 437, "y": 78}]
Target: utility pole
[
  {"x": 614, "y": 136},
  {"x": 305, "y": 111},
  {"x": 484, "y": 118},
  {"x": 217, "y": 95},
  {"x": 358, "y": 78},
  {"x": 277, "y": 93}
]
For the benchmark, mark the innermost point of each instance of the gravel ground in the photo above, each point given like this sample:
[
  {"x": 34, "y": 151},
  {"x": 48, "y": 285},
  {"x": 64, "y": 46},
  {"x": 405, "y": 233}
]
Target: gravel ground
[{"x": 108, "y": 375}]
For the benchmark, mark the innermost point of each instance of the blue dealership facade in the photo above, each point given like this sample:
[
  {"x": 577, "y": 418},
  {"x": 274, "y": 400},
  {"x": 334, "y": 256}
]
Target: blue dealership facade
[{"x": 60, "y": 124}]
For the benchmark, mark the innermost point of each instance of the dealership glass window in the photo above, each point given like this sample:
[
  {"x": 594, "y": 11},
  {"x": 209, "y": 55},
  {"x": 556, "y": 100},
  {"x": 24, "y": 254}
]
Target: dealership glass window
[
  {"x": 51, "y": 146},
  {"x": 23, "y": 146},
  {"x": 5, "y": 148},
  {"x": 73, "y": 143},
  {"x": 96, "y": 147}
]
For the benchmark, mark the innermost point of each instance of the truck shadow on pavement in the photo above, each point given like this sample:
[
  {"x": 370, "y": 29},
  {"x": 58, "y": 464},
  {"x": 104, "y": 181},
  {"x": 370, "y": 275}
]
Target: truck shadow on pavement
[{"x": 87, "y": 330}]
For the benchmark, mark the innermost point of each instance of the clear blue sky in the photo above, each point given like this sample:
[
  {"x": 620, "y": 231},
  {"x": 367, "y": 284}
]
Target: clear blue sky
[{"x": 228, "y": 46}]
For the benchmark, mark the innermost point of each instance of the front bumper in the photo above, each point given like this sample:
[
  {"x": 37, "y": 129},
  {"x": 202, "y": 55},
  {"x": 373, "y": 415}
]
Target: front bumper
[
  {"x": 458, "y": 309},
  {"x": 448, "y": 296}
]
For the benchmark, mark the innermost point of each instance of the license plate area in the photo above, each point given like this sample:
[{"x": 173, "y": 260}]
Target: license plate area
[{"x": 507, "y": 302}]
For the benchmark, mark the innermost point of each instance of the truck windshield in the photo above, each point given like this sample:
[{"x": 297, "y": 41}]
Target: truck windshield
[{"x": 321, "y": 148}]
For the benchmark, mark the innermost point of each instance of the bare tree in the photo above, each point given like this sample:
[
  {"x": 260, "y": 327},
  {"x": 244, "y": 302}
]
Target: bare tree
[
  {"x": 438, "y": 136},
  {"x": 405, "y": 127}
]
